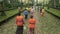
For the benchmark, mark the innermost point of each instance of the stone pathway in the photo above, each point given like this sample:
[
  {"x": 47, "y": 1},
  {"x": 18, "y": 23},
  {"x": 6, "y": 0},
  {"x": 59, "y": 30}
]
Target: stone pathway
[{"x": 47, "y": 24}]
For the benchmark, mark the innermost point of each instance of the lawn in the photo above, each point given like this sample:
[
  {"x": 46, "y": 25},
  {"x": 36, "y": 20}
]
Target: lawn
[
  {"x": 8, "y": 14},
  {"x": 54, "y": 11}
]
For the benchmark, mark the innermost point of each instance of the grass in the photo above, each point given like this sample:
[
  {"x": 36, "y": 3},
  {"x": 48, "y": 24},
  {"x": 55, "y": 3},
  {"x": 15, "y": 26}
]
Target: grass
[
  {"x": 8, "y": 14},
  {"x": 54, "y": 11}
]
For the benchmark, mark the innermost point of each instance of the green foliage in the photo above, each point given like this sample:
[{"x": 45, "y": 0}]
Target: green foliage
[
  {"x": 8, "y": 14},
  {"x": 54, "y": 11},
  {"x": 54, "y": 4}
]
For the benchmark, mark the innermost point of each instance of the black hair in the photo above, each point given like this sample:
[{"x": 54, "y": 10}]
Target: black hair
[
  {"x": 42, "y": 7},
  {"x": 32, "y": 6},
  {"x": 19, "y": 14},
  {"x": 31, "y": 16},
  {"x": 25, "y": 9}
]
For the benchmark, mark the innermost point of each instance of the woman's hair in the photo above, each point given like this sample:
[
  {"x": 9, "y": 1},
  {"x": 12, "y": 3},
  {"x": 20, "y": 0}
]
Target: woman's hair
[
  {"x": 31, "y": 16},
  {"x": 32, "y": 7},
  {"x": 19, "y": 14},
  {"x": 42, "y": 7},
  {"x": 25, "y": 9}
]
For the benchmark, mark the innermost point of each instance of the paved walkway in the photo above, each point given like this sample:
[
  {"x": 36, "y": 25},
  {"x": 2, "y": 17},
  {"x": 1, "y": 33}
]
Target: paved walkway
[{"x": 47, "y": 24}]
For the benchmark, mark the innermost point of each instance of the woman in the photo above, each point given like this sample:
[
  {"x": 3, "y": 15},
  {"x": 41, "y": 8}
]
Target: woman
[
  {"x": 32, "y": 22},
  {"x": 42, "y": 11},
  {"x": 20, "y": 24}
]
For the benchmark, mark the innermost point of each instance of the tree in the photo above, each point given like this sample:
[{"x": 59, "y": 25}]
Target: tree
[
  {"x": 54, "y": 4},
  {"x": 2, "y": 8},
  {"x": 32, "y": 1}
]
